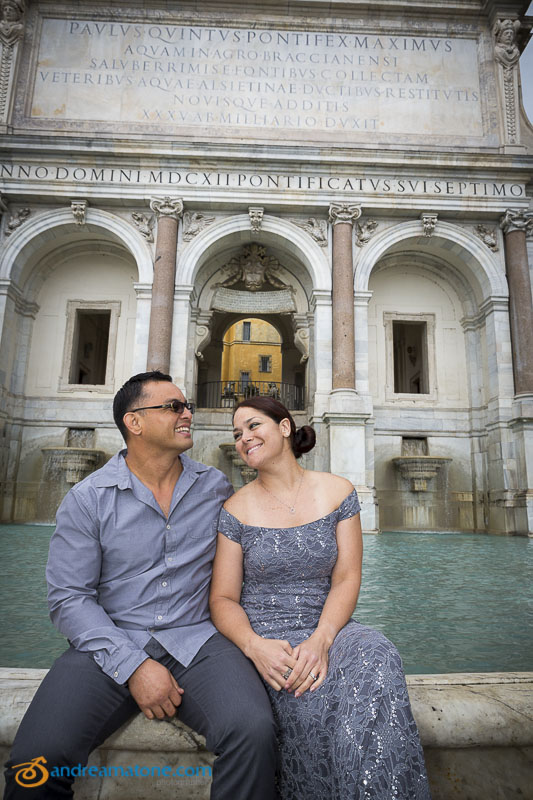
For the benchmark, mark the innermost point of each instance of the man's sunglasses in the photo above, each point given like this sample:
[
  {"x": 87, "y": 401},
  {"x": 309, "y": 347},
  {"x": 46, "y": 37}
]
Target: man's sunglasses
[{"x": 175, "y": 405}]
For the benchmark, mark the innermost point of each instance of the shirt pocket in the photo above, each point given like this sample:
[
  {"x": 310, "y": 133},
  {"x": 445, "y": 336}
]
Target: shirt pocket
[
  {"x": 200, "y": 512},
  {"x": 204, "y": 530}
]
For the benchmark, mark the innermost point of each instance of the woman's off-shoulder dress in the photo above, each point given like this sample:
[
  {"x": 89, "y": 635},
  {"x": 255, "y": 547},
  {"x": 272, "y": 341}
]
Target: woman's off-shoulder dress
[{"x": 354, "y": 738}]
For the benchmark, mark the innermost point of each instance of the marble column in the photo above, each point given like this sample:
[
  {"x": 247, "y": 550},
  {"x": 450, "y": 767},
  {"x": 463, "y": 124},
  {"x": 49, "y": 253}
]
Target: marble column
[
  {"x": 347, "y": 419},
  {"x": 168, "y": 211},
  {"x": 515, "y": 225},
  {"x": 342, "y": 217}
]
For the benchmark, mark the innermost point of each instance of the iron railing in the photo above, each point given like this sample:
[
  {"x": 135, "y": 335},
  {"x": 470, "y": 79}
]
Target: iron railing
[{"x": 226, "y": 394}]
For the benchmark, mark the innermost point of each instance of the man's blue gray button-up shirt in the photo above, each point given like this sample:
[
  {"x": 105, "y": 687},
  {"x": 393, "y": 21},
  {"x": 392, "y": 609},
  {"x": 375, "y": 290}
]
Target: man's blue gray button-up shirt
[{"x": 119, "y": 572}]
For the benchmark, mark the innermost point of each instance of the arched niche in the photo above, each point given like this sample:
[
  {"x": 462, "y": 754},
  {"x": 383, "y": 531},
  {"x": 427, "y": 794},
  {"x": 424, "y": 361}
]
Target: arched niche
[
  {"x": 292, "y": 318},
  {"x": 481, "y": 270},
  {"x": 44, "y": 233}
]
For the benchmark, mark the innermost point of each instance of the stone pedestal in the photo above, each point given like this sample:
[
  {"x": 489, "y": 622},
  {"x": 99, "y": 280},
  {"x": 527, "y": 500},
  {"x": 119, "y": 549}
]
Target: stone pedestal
[
  {"x": 522, "y": 428},
  {"x": 347, "y": 423}
]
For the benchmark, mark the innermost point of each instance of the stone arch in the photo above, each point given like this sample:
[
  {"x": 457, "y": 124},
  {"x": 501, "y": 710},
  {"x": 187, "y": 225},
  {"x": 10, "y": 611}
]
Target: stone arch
[
  {"x": 305, "y": 260},
  {"x": 275, "y": 231},
  {"x": 42, "y": 233},
  {"x": 449, "y": 242}
]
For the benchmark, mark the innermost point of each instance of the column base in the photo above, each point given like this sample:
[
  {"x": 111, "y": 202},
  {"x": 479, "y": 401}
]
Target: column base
[
  {"x": 346, "y": 422},
  {"x": 348, "y": 401}
]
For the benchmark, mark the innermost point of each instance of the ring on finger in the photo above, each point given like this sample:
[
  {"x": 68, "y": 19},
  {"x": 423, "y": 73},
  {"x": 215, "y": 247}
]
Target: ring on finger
[
  {"x": 313, "y": 676},
  {"x": 286, "y": 673}
]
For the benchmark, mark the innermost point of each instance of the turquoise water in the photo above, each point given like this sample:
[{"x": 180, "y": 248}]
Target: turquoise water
[{"x": 450, "y": 602}]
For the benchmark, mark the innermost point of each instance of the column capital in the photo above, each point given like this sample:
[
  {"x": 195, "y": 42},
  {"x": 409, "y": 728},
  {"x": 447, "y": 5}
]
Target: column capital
[
  {"x": 167, "y": 207},
  {"x": 516, "y": 221},
  {"x": 344, "y": 212}
]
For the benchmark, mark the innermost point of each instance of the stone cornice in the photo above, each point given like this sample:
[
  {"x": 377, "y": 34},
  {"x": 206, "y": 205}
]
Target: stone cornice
[{"x": 119, "y": 152}]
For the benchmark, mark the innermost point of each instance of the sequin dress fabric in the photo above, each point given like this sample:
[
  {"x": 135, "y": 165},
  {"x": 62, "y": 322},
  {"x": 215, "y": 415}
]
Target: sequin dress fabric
[{"x": 354, "y": 738}]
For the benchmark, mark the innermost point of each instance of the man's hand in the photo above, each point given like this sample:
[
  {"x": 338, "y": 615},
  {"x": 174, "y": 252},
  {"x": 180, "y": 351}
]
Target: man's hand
[{"x": 155, "y": 690}]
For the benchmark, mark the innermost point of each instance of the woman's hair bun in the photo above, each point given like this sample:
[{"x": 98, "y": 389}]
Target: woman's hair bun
[{"x": 303, "y": 440}]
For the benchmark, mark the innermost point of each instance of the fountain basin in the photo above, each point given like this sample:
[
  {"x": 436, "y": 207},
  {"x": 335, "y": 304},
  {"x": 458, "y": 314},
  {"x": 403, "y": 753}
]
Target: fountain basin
[
  {"x": 75, "y": 462},
  {"x": 419, "y": 470}
]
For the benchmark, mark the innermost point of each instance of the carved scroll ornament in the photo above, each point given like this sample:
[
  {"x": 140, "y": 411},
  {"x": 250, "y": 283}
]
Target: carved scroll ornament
[{"x": 507, "y": 53}]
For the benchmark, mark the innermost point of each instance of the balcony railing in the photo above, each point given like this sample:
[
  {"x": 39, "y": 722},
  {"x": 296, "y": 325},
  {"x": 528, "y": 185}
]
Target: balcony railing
[{"x": 226, "y": 394}]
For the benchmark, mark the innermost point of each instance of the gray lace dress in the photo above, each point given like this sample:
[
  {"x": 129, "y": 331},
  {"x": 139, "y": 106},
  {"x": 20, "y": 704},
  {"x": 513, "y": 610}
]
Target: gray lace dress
[{"x": 354, "y": 738}]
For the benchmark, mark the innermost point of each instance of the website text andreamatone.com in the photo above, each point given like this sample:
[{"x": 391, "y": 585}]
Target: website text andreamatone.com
[
  {"x": 34, "y": 772},
  {"x": 133, "y": 771}
]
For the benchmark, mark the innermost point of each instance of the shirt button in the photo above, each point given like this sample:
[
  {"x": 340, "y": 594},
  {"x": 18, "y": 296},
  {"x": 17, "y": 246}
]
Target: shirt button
[
  {"x": 115, "y": 674},
  {"x": 159, "y": 616},
  {"x": 164, "y": 583},
  {"x": 168, "y": 527},
  {"x": 170, "y": 558}
]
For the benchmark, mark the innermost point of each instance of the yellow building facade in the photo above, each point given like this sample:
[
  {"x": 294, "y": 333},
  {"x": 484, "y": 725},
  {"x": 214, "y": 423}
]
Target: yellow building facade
[{"x": 251, "y": 356}]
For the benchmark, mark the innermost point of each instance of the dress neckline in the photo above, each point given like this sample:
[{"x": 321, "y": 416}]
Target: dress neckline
[{"x": 292, "y": 527}]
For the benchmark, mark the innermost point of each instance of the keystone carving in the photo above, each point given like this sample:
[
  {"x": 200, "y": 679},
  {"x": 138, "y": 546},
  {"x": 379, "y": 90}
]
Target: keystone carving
[
  {"x": 256, "y": 218},
  {"x": 79, "y": 209},
  {"x": 429, "y": 222}
]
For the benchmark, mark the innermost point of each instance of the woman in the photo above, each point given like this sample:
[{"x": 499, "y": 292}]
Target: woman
[{"x": 285, "y": 583}]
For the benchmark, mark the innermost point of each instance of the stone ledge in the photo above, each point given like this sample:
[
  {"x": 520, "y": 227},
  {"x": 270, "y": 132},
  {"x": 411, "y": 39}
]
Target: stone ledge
[{"x": 476, "y": 728}]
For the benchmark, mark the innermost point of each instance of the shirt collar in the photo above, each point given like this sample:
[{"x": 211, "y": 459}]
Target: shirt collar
[{"x": 117, "y": 473}]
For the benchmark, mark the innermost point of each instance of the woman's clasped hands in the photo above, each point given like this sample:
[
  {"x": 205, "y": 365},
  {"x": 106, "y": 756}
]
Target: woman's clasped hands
[
  {"x": 295, "y": 669},
  {"x": 311, "y": 665}
]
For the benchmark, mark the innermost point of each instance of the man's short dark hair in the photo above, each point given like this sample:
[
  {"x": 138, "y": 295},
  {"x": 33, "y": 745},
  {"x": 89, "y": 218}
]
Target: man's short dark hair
[{"x": 130, "y": 394}]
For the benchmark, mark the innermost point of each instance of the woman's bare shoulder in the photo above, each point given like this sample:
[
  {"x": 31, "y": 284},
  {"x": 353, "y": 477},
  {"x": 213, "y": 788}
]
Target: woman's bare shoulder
[
  {"x": 336, "y": 487},
  {"x": 239, "y": 501}
]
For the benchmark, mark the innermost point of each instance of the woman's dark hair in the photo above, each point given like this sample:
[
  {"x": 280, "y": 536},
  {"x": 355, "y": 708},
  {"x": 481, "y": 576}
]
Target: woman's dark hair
[
  {"x": 131, "y": 393},
  {"x": 302, "y": 439}
]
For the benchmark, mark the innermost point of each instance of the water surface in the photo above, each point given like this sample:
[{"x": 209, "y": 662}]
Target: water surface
[{"x": 450, "y": 602}]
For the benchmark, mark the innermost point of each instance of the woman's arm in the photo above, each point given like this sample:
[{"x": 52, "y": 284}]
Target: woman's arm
[
  {"x": 312, "y": 654},
  {"x": 271, "y": 657}
]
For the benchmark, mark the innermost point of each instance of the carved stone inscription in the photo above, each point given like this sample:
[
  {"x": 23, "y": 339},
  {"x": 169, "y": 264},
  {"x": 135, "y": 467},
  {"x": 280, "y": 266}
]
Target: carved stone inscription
[{"x": 264, "y": 81}]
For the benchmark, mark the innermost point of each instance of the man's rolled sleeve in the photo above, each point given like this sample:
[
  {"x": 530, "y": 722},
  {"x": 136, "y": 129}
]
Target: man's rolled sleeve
[{"x": 73, "y": 574}]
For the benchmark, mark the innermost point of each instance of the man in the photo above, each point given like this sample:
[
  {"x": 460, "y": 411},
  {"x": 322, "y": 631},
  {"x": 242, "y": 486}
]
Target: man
[{"x": 128, "y": 576}]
